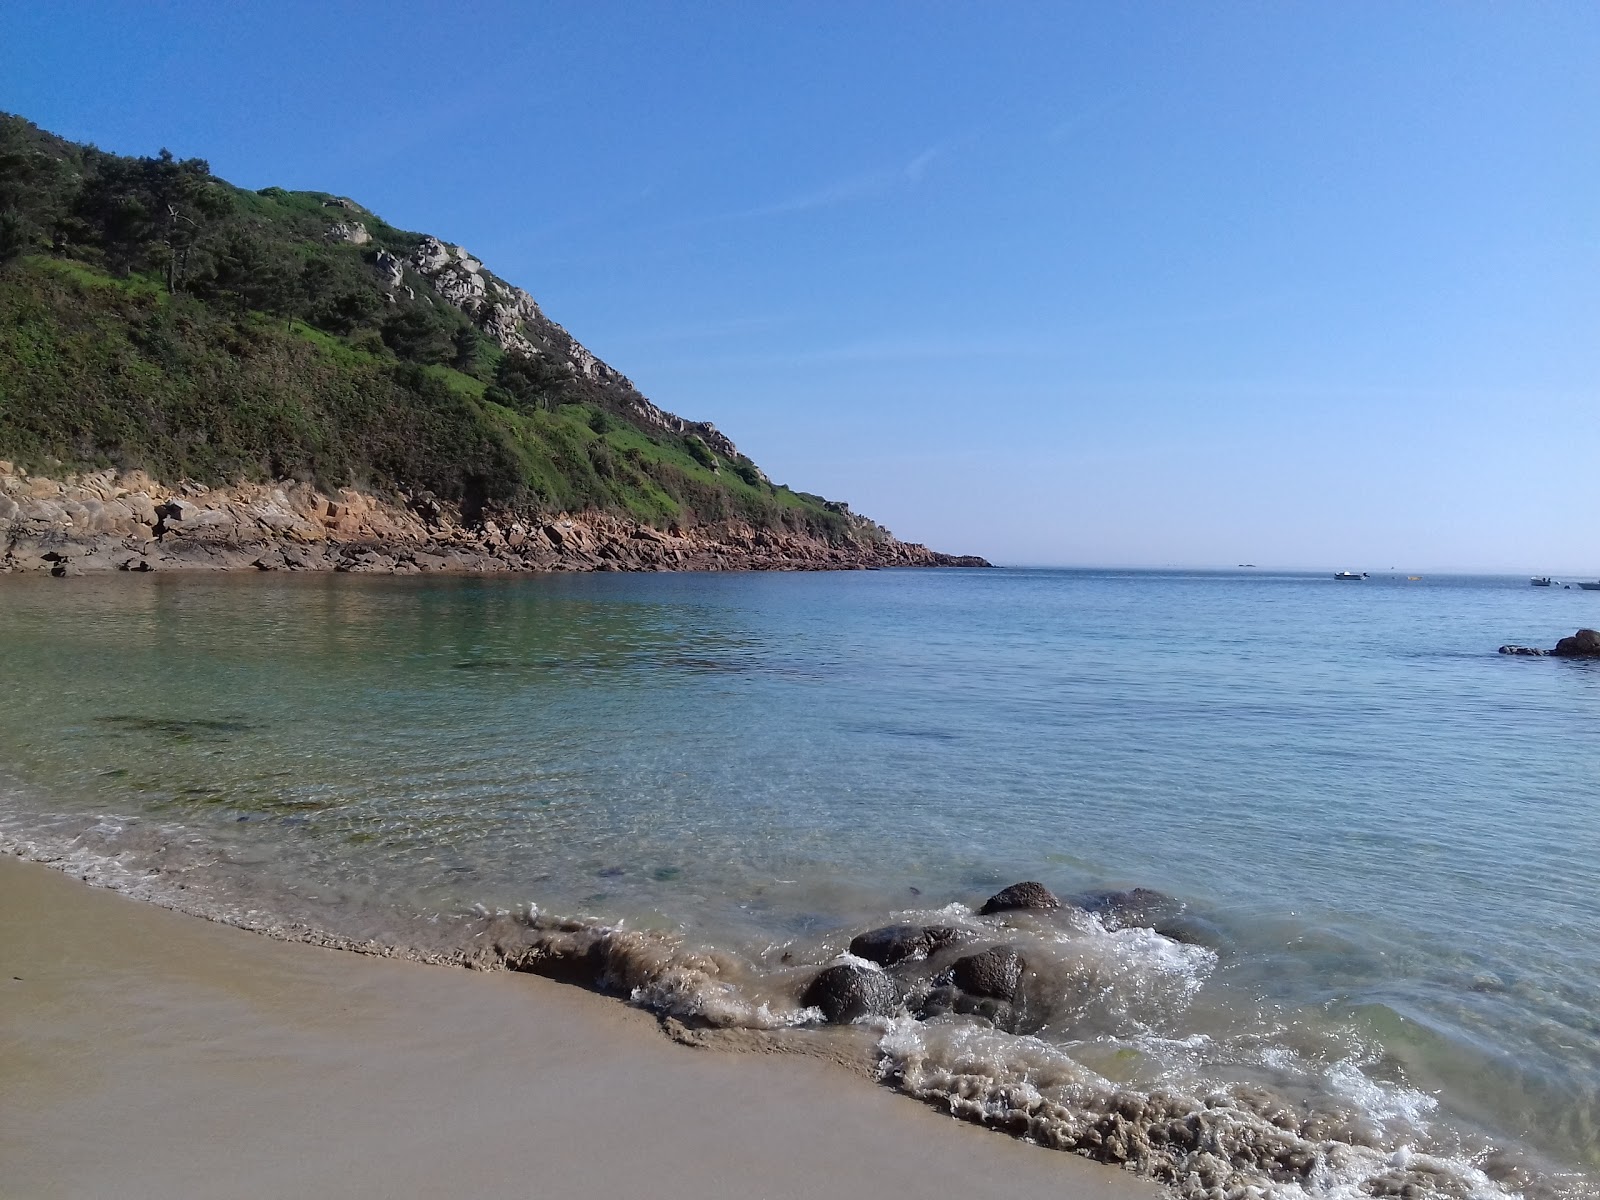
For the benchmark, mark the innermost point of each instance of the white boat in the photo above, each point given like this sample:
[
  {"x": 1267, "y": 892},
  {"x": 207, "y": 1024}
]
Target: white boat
[
  {"x": 1349, "y": 575},
  {"x": 1589, "y": 587},
  {"x": 1540, "y": 581}
]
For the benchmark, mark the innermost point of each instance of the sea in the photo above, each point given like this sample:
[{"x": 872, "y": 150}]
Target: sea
[{"x": 1363, "y": 962}]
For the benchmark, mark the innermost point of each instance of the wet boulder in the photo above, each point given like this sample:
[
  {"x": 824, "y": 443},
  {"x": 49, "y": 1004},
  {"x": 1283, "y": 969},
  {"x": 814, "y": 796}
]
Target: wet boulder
[
  {"x": 1532, "y": 651},
  {"x": 898, "y": 943},
  {"x": 848, "y": 992},
  {"x": 1029, "y": 895},
  {"x": 987, "y": 985},
  {"x": 994, "y": 973},
  {"x": 1583, "y": 644}
]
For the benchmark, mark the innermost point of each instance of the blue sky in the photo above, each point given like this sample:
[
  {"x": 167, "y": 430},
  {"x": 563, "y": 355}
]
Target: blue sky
[{"x": 1138, "y": 283}]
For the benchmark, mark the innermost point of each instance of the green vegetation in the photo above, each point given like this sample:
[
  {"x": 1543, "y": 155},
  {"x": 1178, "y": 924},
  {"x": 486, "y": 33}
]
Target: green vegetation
[{"x": 155, "y": 316}]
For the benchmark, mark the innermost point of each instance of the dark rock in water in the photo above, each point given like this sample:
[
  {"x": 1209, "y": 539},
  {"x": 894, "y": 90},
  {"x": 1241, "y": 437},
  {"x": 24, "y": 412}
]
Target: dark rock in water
[
  {"x": 1529, "y": 650},
  {"x": 1138, "y": 908},
  {"x": 1020, "y": 895},
  {"x": 896, "y": 943},
  {"x": 1191, "y": 930},
  {"x": 847, "y": 993},
  {"x": 947, "y": 998},
  {"x": 987, "y": 985},
  {"x": 994, "y": 972},
  {"x": 1583, "y": 644}
]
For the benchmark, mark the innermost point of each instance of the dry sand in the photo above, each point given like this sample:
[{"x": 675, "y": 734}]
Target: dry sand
[{"x": 144, "y": 1053}]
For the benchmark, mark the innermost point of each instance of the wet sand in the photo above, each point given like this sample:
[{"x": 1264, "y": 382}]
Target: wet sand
[{"x": 144, "y": 1053}]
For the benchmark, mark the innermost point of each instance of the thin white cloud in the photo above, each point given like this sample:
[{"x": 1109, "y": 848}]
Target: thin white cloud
[
  {"x": 918, "y": 166},
  {"x": 878, "y": 351},
  {"x": 854, "y": 187}
]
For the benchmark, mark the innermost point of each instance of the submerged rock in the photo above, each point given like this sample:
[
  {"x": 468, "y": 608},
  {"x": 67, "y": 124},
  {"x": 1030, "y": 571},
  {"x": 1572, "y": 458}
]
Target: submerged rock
[
  {"x": 1583, "y": 644},
  {"x": 1137, "y": 908},
  {"x": 897, "y": 943},
  {"x": 847, "y": 993},
  {"x": 1029, "y": 895},
  {"x": 1528, "y": 650}
]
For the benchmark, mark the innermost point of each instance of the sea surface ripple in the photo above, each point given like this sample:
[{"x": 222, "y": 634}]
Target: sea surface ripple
[{"x": 1382, "y": 835}]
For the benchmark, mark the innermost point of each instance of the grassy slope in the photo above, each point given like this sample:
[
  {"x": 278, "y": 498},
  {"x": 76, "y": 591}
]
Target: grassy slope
[{"x": 221, "y": 380}]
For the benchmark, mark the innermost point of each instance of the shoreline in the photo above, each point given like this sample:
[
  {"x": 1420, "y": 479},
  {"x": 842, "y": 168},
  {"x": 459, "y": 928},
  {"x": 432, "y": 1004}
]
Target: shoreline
[
  {"x": 152, "y": 1053},
  {"x": 111, "y": 521}
]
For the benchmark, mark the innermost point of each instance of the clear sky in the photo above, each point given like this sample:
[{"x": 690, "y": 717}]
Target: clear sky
[{"x": 1101, "y": 283}]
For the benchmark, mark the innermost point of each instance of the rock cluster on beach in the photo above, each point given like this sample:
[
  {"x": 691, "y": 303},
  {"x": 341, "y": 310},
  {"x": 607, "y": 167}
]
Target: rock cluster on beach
[
  {"x": 114, "y": 521},
  {"x": 933, "y": 969},
  {"x": 928, "y": 970},
  {"x": 1583, "y": 644},
  {"x": 981, "y": 968}
]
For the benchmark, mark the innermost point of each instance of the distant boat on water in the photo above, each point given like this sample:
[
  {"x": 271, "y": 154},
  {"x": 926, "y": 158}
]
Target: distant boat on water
[
  {"x": 1541, "y": 581},
  {"x": 1589, "y": 587},
  {"x": 1362, "y": 575}
]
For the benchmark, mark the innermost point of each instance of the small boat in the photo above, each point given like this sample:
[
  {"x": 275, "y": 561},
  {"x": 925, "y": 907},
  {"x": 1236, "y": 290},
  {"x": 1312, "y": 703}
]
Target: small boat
[
  {"x": 1540, "y": 581},
  {"x": 1589, "y": 587},
  {"x": 1363, "y": 575}
]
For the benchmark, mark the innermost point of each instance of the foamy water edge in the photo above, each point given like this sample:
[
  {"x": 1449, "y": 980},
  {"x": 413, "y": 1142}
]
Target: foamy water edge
[{"x": 1364, "y": 1137}]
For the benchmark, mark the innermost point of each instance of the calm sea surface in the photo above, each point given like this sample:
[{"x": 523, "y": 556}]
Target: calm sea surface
[{"x": 1384, "y": 836}]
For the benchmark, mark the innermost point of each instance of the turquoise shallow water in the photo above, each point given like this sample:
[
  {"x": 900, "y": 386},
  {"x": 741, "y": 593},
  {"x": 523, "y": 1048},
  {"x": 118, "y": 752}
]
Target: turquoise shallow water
[{"x": 1384, "y": 834}]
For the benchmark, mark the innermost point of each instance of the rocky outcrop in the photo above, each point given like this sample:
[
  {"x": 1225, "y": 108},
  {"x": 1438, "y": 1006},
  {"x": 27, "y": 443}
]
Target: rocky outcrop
[
  {"x": 392, "y": 270},
  {"x": 352, "y": 232},
  {"x": 847, "y": 992},
  {"x": 1029, "y": 895},
  {"x": 514, "y": 319},
  {"x": 1583, "y": 644},
  {"x": 108, "y": 521}
]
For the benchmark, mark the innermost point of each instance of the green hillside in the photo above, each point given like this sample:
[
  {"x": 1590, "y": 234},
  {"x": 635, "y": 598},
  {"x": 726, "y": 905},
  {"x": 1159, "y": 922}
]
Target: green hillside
[{"x": 155, "y": 316}]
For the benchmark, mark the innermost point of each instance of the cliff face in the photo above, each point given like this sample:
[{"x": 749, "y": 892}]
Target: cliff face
[
  {"x": 156, "y": 319},
  {"x": 110, "y": 521},
  {"x": 513, "y": 319}
]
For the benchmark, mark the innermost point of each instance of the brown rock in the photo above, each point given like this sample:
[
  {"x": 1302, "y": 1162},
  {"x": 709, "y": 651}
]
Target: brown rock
[
  {"x": 1583, "y": 644},
  {"x": 995, "y": 973},
  {"x": 897, "y": 943},
  {"x": 1029, "y": 895},
  {"x": 847, "y": 993}
]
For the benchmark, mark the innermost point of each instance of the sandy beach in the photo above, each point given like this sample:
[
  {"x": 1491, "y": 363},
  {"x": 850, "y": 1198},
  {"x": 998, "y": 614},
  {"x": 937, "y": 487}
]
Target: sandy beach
[{"x": 148, "y": 1053}]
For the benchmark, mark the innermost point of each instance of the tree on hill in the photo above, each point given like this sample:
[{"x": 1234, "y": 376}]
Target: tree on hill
[
  {"x": 419, "y": 334},
  {"x": 14, "y": 236},
  {"x": 529, "y": 381},
  {"x": 147, "y": 213}
]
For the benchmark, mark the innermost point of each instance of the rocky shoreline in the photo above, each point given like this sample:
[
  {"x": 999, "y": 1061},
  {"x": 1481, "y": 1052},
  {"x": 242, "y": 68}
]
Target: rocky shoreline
[
  {"x": 126, "y": 521},
  {"x": 1583, "y": 644}
]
